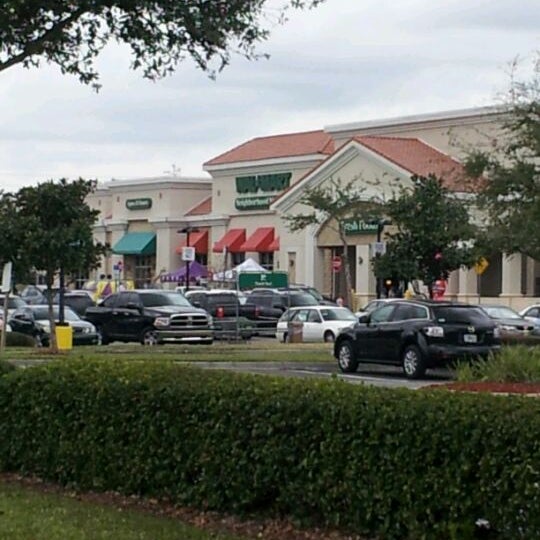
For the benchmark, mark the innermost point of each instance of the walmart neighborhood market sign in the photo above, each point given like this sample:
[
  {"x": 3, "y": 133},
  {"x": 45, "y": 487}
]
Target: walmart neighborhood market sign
[{"x": 265, "y": 183}]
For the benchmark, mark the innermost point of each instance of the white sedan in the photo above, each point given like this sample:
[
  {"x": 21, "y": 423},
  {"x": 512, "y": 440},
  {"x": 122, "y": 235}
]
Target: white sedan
[{"x": 318, "y": 323}]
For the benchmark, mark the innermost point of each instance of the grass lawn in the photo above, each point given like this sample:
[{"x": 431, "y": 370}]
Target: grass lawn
[
  {"x": 26, "y": 514},
  {"x": 266, "y": 350}
]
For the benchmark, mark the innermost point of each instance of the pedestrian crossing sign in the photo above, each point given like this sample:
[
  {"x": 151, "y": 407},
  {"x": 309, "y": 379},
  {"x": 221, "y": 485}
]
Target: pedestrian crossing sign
[{"x": 481, "y": 265}]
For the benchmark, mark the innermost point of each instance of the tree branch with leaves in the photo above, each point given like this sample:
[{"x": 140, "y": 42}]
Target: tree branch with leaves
[
  {"x": 433, "y": 233},
  {"x": 511, "y": 194},
  {"x": 160, "y": 33}
]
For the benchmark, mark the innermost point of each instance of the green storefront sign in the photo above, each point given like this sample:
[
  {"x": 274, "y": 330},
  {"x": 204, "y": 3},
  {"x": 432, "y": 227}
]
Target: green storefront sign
[
  {"x": 139, "y": 204},
  {"x": 263, "y": 182},
  {"x": 250, "y": 280},
  {"x": 359, "y": 226}
]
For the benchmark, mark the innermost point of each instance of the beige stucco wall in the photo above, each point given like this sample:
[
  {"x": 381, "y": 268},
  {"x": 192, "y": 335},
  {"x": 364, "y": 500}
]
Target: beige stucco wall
[
  {"x": 171, "y": 199},
  {"x": 453, "y": 136}
]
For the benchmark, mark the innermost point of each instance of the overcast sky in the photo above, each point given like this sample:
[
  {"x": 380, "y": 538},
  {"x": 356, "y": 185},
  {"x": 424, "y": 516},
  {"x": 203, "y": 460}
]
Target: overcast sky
[{"x": 346, "y": 61}]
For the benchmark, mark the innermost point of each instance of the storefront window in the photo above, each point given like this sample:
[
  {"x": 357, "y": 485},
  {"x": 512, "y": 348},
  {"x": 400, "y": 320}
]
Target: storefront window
[
  {"x": 266, "y": 260},
  {"x": 144, "y": 270},
  {"x": 202, "y": 258},
  {"x": 238, "y": 258}
]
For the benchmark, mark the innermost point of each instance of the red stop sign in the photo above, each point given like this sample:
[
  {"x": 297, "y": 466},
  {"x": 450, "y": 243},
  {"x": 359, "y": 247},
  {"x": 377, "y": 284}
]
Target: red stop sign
[{"x": 336, "y": 263}]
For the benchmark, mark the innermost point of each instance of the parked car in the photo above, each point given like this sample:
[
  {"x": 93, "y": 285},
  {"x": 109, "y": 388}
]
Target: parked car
[
  {"x": 532, "y": 313},
  {"x": 319, "y": 323},
  {"x": 77, "y": 300},
  {"x": 34, "y": 294},
  {"x": 225, "y": 307},
  {"x": 510, "y": 322},
  {"x": 150, "y": 316},
  {"x": 34, "y": 321},
  {"x": 14, "y": 303},
  {"x": 272, "y": 303},
  {"x": 418, "y": 335},
  {"x": 182, "y": 288},
  {"x": 373, "y": 305},
  {"x": 323, "y": 300}
]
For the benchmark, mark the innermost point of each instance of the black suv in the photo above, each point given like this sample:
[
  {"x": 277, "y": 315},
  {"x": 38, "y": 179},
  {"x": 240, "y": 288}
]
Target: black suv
[
  {"x": 151, "y": 317},
  {"x": 417, "y": 335}
]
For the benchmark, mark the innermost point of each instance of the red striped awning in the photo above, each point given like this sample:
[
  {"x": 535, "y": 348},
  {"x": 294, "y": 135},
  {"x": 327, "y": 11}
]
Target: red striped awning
[
  {"x": 260, "y": 240},
  {"x": 198, "y": 240},
  {"x": 274, "y": 245},
  {"x": 232, "y": 240}
]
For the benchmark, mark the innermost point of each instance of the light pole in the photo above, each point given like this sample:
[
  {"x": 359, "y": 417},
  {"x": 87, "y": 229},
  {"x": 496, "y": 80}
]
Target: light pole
[{"x": 187, "y": 231}]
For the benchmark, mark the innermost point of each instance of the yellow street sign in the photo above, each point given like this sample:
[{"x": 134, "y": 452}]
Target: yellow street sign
[{"x": 481, "y": 265}]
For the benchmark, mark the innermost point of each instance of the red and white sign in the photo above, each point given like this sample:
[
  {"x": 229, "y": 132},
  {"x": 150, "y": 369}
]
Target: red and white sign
[{"x": 336, "y": 263}]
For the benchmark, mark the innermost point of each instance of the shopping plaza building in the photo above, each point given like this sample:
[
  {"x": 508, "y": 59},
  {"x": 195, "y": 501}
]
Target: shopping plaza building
[{"x": 239, "y": 212}]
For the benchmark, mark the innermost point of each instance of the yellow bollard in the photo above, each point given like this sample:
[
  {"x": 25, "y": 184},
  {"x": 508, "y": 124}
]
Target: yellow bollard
[{"x": 64, "y": 337}]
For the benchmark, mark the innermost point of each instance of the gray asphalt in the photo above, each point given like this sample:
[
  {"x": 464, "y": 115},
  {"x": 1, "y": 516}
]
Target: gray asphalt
[{"x": 370, "y": 374}]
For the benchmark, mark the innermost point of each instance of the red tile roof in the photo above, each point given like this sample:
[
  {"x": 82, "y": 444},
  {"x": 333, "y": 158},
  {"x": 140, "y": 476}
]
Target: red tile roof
[
  {"x": 419, "y": 158},
  {"x": 278, "y": 146},
  {"x": 204, "y": 207}
]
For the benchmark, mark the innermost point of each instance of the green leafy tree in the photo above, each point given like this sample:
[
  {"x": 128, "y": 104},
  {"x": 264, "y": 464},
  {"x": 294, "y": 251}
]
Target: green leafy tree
[
  {"x": 331, "y": 205},
  {"x": 433, "y": 234},
  {"x": 11, "y": 245},
  {"x": 56, "y": 224},
  {"x": 160, "y": 33},
  {"x": 511, "y": 194}
]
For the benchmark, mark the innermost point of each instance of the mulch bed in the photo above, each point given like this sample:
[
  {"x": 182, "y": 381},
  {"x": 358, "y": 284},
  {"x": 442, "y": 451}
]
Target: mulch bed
[
  {"x": 532, "y": 389},
  {"x": 254, "y": 528}
]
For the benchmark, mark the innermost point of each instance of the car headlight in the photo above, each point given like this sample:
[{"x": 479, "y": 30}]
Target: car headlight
[
  {"x": 210, "y": 321},
  {"x": 162, "y": 321},
  {"x": 434, "y": 331},
  {"x": 88, "y": 330},
  {"x": 44, "y": 326},
  {"x": 497, "y": 332},
  {"x": 508, "y": 328}
]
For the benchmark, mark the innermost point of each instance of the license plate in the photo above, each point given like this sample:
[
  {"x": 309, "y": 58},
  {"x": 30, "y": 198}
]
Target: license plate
[{"x": 470, "y": 338}]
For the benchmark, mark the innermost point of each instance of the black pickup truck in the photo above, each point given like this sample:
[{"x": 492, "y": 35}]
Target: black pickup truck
[{"x": 150, "y": 317}]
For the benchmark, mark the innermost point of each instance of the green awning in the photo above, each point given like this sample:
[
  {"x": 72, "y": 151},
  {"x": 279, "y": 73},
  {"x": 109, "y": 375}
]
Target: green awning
[{"x": 136, "y": 243}]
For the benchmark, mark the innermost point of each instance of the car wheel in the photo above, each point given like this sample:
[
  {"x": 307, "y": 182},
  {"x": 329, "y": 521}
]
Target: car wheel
[
  {"x": 101, "y": 339},
  {"x": 346, "y": 357},
  {"x": 149, "y": 337},
  {"x": 329, "y": 337},
  {"x": 413, "y": 362}
]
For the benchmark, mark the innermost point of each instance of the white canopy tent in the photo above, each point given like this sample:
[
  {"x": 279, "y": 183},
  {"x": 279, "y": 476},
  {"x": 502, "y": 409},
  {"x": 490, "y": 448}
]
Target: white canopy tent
[{"x": 249, "y": 265}]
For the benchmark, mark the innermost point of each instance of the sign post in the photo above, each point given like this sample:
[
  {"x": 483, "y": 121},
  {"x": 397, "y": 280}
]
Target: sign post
[
  {"x": 6, "y": 287},
  {"x": 337, "y": 263}
]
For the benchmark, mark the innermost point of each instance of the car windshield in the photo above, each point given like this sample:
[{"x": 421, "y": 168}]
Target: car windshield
[
  {"x": 14, "y": 302},
  {"x": 501, "y": 312},
  {"x": 338, "y": 314},
  {"x": 300, "y": 300},
  {"x": 159, "y": 299},
  {"x": 460, "y": 315},
  {"x": 42, "y": 313}
]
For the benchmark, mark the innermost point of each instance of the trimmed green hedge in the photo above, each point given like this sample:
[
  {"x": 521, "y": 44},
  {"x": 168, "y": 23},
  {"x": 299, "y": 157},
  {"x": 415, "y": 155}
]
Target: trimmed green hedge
[{"x": 398, "y": 464}]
